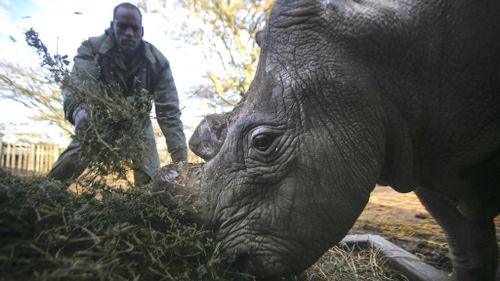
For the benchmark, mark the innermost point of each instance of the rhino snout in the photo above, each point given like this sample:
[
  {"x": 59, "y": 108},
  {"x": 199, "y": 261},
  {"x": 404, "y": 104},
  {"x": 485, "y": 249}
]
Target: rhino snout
[{"x": 179, "y": 184}]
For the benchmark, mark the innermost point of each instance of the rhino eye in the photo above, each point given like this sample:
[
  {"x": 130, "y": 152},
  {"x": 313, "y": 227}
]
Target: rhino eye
[{"x": 262, "y": 142}]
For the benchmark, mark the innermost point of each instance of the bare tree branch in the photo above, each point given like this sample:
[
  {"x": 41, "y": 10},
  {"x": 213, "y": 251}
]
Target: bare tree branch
[
  {"x": 31, "y": 88},
  {"x": 224, "y": 31}
]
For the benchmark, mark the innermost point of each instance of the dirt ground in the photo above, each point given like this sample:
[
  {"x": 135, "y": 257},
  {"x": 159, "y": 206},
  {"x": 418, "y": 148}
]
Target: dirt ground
[{"x": 401, "y": 219}]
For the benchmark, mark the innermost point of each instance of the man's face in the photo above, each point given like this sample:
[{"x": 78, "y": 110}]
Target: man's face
[{"x": 128, "y": 30}]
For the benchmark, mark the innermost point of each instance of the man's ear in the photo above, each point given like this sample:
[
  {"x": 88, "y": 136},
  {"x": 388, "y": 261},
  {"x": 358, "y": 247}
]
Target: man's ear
[{"x": 111, "y": 25}]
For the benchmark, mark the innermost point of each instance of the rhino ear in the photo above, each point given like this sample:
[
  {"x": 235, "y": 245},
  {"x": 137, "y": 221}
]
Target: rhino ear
[
  {"x": 259, "y": 37},
  {"x": 209, "y": 136}
]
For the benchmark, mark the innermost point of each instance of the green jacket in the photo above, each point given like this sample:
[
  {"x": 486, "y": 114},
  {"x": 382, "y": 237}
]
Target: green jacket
[{"x": 98, "y": 60}]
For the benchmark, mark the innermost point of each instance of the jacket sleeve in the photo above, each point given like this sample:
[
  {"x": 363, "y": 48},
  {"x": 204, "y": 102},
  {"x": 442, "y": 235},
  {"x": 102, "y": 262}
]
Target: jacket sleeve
[
  {"x": 167, "y": 111},
  {"x": 83, "y": 75}
]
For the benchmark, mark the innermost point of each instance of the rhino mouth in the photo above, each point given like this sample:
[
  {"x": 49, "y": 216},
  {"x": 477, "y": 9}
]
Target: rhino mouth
[
  {"x": 262, "y": 256},
  {"x": 261, "y": 264}
]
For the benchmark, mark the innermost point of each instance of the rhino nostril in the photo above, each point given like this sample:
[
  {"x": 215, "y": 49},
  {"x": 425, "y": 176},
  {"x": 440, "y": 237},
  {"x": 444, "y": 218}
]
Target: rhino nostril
[
  {"x": 253, "y": 264},
  {"x": 240, "y": 262}
]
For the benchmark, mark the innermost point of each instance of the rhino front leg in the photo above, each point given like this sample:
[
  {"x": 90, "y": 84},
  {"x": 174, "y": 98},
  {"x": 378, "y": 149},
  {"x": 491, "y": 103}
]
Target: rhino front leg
[{"x": 472, "y": 242}]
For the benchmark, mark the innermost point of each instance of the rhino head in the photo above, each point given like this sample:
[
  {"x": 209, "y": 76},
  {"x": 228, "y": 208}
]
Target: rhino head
[{"x": 280, "y": 179}]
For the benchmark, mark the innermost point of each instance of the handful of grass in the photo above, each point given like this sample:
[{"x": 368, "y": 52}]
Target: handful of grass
[
  {"x": 112, "y": 137},
  {"x": 49, "y": 233}
]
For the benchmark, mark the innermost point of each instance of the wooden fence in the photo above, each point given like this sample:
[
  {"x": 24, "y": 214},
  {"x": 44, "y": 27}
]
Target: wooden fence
[{"x": 35, "y": 159}]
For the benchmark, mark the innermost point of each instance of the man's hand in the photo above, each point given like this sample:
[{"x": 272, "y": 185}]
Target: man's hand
[
  {"x": 179, "y": 155},
  {"x": 80, "y": 114}
]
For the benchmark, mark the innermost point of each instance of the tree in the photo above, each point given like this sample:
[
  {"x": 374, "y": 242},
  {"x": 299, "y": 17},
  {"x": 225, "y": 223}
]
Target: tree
[
  {"x": 30, "y": 87},
  {"x": 224, "y": 30}
]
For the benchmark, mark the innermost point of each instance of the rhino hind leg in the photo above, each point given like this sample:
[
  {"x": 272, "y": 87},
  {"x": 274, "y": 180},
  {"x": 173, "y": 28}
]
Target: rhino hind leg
[{"x": 472, "y": 242}]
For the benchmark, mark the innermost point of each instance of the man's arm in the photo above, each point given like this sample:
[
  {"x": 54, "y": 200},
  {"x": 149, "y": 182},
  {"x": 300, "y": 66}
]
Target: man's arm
[
  {"x": 84, "y": 72},
  {"x": 168, "y": 114}
]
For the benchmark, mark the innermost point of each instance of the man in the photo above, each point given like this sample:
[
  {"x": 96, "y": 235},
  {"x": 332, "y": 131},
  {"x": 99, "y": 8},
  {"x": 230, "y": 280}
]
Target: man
[{"x": 120, "y": 56}]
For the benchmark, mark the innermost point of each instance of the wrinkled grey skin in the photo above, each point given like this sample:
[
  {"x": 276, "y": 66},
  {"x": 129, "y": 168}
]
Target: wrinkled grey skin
[{"x": 348, "y": 94}]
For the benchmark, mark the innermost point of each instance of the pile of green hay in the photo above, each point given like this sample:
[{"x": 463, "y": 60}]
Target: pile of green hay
[{"x": 49, "y": 233}]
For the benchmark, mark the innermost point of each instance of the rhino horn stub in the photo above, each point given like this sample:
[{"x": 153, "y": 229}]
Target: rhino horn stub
[
  {"x": 164, "y": 179},
  {"x": 179, "y": 184},
  {"x": 209, "y": 136}
]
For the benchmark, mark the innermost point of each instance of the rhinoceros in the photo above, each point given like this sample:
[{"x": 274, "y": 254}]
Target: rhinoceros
[{"x": 349, "y": 94}]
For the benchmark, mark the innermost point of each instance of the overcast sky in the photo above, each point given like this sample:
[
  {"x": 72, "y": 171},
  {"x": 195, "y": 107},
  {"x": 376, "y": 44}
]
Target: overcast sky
[{"x": 64, "y": 24}]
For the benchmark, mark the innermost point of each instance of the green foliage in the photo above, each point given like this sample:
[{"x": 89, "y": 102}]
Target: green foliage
[
  {"x": 112, "y": 136},
  {"x": 56, "y": 64},
  {"x": 49, "y": 233}
]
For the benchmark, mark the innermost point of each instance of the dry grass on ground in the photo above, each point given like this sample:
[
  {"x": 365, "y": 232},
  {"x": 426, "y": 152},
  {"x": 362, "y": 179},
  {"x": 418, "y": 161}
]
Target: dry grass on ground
[{"x": 351, "y": 263}]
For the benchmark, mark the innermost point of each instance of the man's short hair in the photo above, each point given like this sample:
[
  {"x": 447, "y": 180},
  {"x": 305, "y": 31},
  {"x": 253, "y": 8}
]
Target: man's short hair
[{"x": 126, "y": 5}]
